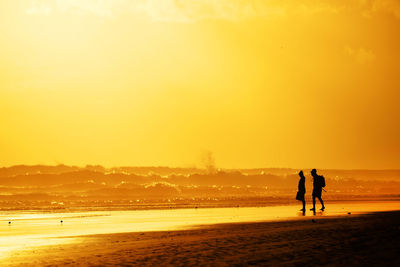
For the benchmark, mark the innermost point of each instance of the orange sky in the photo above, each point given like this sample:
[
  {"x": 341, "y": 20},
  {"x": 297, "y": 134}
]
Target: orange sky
[{"x": 258, "y": 83}]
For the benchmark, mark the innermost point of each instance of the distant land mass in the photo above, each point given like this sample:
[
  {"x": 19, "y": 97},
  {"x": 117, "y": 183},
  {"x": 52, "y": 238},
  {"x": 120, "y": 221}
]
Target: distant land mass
[{"x": 64, "y": 186}]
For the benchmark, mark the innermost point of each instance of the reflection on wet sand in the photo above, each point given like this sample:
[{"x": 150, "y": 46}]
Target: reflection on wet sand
[{"x": 31, "y": 229}]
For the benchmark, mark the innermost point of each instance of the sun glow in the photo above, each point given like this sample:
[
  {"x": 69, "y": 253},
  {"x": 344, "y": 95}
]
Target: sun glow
[{"x": 258, "y": 83}]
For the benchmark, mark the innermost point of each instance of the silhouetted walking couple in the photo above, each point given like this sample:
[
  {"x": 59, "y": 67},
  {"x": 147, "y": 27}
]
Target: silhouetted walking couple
[{"x": 318, "y": 184}]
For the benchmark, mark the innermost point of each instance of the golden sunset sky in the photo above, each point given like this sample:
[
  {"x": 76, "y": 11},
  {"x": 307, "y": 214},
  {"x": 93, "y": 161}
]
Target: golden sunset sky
[{"x": 158, "y": 82}]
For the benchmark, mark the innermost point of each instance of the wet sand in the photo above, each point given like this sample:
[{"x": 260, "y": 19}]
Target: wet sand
[{"x": 351, "y": 240}]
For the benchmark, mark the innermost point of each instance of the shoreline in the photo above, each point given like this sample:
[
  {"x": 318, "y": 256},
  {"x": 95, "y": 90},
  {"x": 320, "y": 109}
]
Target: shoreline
[{"x": 246, "y": 203}]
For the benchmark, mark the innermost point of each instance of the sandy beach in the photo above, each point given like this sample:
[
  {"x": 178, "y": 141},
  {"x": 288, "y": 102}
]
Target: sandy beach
[{"x": 352, "y": 240}]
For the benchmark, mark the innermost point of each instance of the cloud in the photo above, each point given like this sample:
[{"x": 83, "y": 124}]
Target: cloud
[
  {"x": 39, "y": 9},
  {"x": 361, "y": 55},
  {"x": 181, "y": 10},
  {"x": 195, "y": 10},
  {"x": 95, "y": 7},
  {"x": 158, "y": 10},
  {"x": 371, "y": 7},
  {"x": 316, "y": 8}
]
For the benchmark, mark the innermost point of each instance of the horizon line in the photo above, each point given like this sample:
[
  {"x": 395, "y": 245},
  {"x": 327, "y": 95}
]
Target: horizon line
[{"x": 193, "y": 167}]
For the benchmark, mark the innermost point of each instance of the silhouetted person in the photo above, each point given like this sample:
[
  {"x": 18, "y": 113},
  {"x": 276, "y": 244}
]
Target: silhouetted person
[
  {"x": 302, "y": 190},
  {"x": 318, "y": 183}
]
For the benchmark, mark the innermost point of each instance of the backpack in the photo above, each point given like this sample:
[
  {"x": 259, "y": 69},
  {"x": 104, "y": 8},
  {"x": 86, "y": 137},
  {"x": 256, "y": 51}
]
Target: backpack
[{"x": 322, "y": 181}]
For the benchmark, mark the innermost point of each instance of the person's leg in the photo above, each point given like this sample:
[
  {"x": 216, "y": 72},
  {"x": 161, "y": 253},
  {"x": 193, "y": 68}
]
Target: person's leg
[
  {"x": 313, "y": 202},
  {"x": 322, "y": 202},
  {"x": 304, "y": 204}
]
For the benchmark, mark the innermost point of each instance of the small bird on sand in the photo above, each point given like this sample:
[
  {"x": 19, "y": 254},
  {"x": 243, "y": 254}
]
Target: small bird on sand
[
  {"x": 61, "y": 221},
  {"x": 9, "y": 222}
]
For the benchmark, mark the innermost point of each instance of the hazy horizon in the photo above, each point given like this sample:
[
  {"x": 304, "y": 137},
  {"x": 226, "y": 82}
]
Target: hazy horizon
[{"x": 192, "y": 166}]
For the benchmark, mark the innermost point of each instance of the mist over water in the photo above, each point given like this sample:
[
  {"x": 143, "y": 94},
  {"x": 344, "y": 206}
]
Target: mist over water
[{"x": 67, "y": 188}]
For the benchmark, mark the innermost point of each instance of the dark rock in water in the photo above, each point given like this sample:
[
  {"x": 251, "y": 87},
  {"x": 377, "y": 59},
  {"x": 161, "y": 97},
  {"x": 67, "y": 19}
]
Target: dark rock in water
[
  {"x": 9, "y": 222},
  {"x": 349, "y": 213}
]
